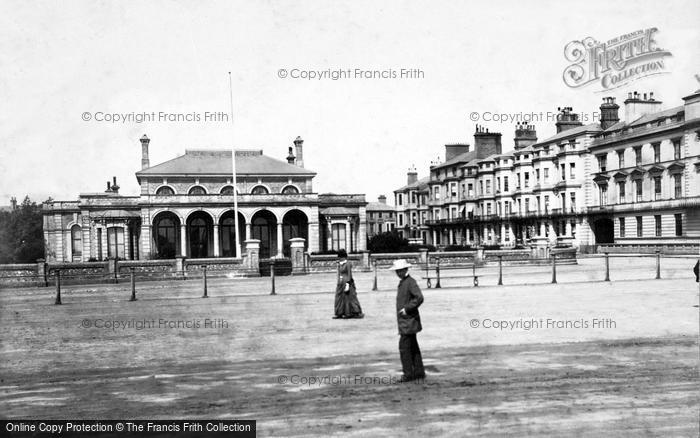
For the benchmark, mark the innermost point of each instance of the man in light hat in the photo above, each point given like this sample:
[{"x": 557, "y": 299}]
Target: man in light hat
[{"x": 408, "y": 299}]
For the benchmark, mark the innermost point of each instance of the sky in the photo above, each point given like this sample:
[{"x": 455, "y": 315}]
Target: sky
[{"x": 64, "y": 62}]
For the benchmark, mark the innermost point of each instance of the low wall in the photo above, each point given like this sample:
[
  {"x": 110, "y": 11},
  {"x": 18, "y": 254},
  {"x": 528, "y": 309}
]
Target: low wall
[{"x": 649, "y": 249}]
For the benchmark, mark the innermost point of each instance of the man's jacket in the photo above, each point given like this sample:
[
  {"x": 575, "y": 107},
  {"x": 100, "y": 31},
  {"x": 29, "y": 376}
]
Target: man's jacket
[{"x": 408, "y": 297}]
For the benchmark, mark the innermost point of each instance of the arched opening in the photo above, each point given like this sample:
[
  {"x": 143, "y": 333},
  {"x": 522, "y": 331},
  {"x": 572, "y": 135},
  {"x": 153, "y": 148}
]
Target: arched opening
[
  {"x": 166, "y": 235},
  {"x": 264, "y": 228},
  {"x": 290, "y": 190},
  {"x": 259, "y": 190},
  {"x": 227, "y": 233},
  {"x": 294, "y": 224},
  {"x": 76, "y": 239},
  {"x": 227, "y": 190},
  {"x": 165, "y": 191},
  {"x": 200, "y": 235},
  {"x": 604, "y": 231},
  {"x": 197, "y": 190}
]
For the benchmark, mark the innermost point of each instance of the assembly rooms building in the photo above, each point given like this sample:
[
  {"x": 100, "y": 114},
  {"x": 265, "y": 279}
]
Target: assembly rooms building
[{"x": 186, "y": 208}]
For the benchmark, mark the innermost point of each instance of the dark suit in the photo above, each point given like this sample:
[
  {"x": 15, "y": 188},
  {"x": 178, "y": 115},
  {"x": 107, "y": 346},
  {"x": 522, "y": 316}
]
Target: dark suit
[
  {"x": 409, "y": 298},
  {"x": 695, "y": 269}
]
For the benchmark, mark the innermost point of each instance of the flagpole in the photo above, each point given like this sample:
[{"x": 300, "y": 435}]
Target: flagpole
[{"x": 235, "y": 185}]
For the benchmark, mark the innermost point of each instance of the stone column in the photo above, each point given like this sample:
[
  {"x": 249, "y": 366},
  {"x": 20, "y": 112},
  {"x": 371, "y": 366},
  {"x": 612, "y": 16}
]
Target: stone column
[
  {"x": 347, "y": 235},
  {"x": 503, "y": 234},
  {"x": 252, "y": 249},
  {"x": 452, "y": 236},
  {"x": 280, "y": 242},
  {"x": 297, "y": 255},
  {"x": 568, "y": 228},
  {"x": 542, "y": 229},
  {"x": 183, "y": 240},
  {"x": 127, "y": 242},
  {"x": 434, "y": 237},
  {"x": 248, "y": 231},
  {"x": 329, "y": 235},
  {"x": 146, "y": 233},
  {"x": 216, "y": 240},
  {"x": 511, "y": 234}
]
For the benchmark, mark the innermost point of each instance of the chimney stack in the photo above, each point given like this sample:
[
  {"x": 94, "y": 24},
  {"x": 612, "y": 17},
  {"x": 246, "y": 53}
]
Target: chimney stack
[
  {"x": 637, "y": 105},
  {"x": 298, "y": 145},
  {"x": 145, "y": 162},
  {"x": 525, "y": 135},
  {"x": 115, "y": 187},
  {"x": 290, "y": 156},
  {"x": 382, "y": 199},
  {"x": 567, "y": 119},
  {"x": 608, "y": 113},
  {"x": 486, "y": 143},
  {"x": 109, "y": 187},
  {"x": 452, "y": 150},
  {"x": 412, "y": 175}
]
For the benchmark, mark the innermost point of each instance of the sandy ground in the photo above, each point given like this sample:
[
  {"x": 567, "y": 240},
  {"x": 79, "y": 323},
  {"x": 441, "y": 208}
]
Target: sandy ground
[{"x": 577, "y": 358}]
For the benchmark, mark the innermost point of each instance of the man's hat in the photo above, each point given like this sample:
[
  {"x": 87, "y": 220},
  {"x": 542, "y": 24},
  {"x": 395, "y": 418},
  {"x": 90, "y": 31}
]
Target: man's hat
[{"x": 399, "y": 264}]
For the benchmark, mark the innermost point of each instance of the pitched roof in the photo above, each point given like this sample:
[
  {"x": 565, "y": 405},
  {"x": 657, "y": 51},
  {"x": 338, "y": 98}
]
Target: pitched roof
[
  {"x": 591, "y": 127},
  {"x": 643, "y": 120},
  {"x": 378, "y": 206},
  {"x": 461, "y": 158},
  {"x": 218, "y": 162},
  {"x": 421, "y": 183}
]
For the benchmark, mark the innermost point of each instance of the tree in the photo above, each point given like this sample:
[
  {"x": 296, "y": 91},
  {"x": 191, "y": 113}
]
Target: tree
[
  {"x": 388, "y": 242},
  {"x": 21, "y": 233}
]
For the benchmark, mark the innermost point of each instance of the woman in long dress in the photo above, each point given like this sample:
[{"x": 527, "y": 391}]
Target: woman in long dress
[{"x": 346, "y": 303}]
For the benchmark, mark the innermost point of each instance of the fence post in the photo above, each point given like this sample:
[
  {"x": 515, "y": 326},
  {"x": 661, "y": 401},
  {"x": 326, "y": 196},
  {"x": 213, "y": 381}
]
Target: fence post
[
  {"x": 554, "y": 267},
  {"x": 58, "y": 287},
  {"x": 474, "y": 277},
  {"x": 500, "y": 270},
  {"x": 658, "y": 264},
  {"x": 272, "y": 276},
  {"x": 204, "y": 281},
  {"x": 607, "y": 267},
  {"x": 374, "y": 287},
  {"x": 133, "y": 284},
  {"x": 437, "y": 274}
]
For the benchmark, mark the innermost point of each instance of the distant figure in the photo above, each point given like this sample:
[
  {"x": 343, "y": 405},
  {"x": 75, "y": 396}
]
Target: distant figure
[
  {"x": 346, "y": 303},
  {"x": 696, "y": 269},
  {"x": 408, "y": 299}
]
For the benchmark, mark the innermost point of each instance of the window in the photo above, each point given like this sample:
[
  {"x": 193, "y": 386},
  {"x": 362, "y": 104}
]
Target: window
[
  {"x": 505, "y": 183},
  {"x": 488, "y": 208},
  {"x": 453, "y": 189},
  {"x": 621, "y": 191},
  {"x": 259, "y": 190},
  {"x": 657, "y": 225},
  {"x": 470, "y": 190},
  {"x": 639, "y": 226},
  {"x": 563, "y": 201},
  {"x": 488, "y": 186},
  {"x": 677, "y": 186},
  {"x": 638, "y": 185},
  {"x": 679, "y": 224},
  {"x": 622, "y": 227},
  {"x": 518, "y": 185},
  {"x": 657, "y": 187},
  {"x": 197, "y": 190},
  {"x": 563, "y": 171},
  {"x": 413, "y": 197},
  {"x": 657, "y": 152},
  {"x": 165, "y": 191},
  {"x": 620, "y": 159},
  {"x": 527, "y": 179},
  {"x": 638, "y": 156},
  {"x": 227, "y": 190},
  {"x": 537, "y": 175},
  {"x": 115, "y": 242},
  {"x": 338, "y": 236},
  {"x": 498, "y": 184},
  {"x": 602, "y": 163},
  {"x": 507, "y": 207},
  {"x": 572, "y": 170},
  {"x": 546, "y": 203},
  {"x": 165, "y": 232},
  {"x": 527, "y": 204},
  {"x": 572, "y": 196},
  {"x": 481, "y": 187},
  {"x": 603, "y": 195},
  {"x": 399, "y": 199},
  {"x": 99, "y": 244},
  {"x": 677, "y": 149},
  {"x": 546, "y": 174},
  {"x": 76, "y": 239},
  {"x": 436, "y": 192},
  {"x": 290, "y": 190}
]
